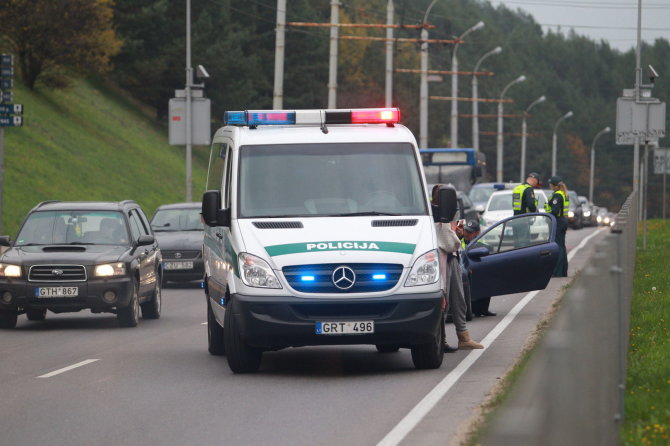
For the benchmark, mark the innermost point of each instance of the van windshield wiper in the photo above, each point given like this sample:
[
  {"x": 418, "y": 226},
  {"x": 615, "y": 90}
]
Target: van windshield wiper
[{"x": 363, "y": 214}]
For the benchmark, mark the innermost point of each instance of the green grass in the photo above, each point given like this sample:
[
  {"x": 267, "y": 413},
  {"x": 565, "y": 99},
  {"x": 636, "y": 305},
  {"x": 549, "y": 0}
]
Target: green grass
[
  {"x": 88, "y": 142},
  {"x": 647, "y": 402}
]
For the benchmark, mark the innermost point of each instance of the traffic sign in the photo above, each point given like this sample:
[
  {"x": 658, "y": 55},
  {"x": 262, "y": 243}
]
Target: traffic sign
[
  {"x": 6, "y": 84},
  {"x": 661, "y": 161},
  {"x": 6, "y": 96},
  {"x": 11, "y": 109},
  {"x": 11, "y": 121},
  {"x": 6, "y": 71},
  {"x": 6, "y": 60},
  {"x": 644, "y": 119}
]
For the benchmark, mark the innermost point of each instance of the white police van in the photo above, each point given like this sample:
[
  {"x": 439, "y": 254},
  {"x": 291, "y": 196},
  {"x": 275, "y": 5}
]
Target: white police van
[{"x": 319, "y": 231}]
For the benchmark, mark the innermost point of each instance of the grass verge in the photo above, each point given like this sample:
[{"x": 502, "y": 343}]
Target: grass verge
[{"x": 647, "y": 401}]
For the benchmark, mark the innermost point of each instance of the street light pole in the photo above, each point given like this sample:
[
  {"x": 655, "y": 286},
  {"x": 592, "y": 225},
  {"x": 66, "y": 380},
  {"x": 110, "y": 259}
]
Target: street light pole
[
  {"x": 188, "y": 92},
  {"x": 499, "y": 135},
  {"x": 454, "y": 85},
  {"x": 475, "y": 96},
  {"x": 593, "y": 160},
  {"x": 423, "y": 93},
  {"x": 554, "y": 141},
  {"x": 388, "y": 96},
  {"x": 524, "y": 134}
]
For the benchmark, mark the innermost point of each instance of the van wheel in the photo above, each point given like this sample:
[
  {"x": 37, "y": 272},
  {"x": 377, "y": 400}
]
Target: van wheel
[
  {"x": 430, "y": 355},
  {"x": 241, "y": 357},
  {"x": 130, "y": 316},
  {"x": 387, "y": 348},
  {"x": 152, "y": 309},
  {"x": 36, "y": 315},
  {"x": 214, "y": 333},
  {"x": 8, "y": 318}
]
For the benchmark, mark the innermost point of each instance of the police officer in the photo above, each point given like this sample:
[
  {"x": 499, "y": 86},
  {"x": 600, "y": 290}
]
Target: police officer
[
  {"x": 471, "y": 231},
  {"x": 558, "y": 205},
  {"x": 523, "y": 201}
]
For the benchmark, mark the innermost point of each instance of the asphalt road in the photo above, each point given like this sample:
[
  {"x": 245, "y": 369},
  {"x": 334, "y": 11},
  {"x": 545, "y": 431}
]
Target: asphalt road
[{"x": 157, "y": 385}]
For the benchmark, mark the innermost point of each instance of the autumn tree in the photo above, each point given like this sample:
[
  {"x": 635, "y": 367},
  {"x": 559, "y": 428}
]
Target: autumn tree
[{"x": 49, "y": 38}]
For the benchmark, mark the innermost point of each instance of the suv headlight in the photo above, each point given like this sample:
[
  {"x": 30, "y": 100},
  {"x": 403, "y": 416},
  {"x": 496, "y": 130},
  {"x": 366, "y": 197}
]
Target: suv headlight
[
  {"x": 571, "y": 214},
  {"x": 426, "y": 270},
  {"x": 110, "y": 270},
  {"x": 256, "y": 272},
  {"x": 7, "y": 270}
]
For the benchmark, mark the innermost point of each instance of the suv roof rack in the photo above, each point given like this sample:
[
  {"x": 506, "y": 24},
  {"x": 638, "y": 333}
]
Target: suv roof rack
[
  {"x": 39, "y": 205},
  {"x": 128, "y": 202}
]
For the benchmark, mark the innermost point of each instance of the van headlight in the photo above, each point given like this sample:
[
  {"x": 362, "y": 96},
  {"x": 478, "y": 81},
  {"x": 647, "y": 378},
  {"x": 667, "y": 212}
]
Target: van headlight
[
  {"x": 110, "y": 270},
  {"x": 426, "y": 270},
  {"x": 7, "y": 270},
  {"x": 256, "y": 272}
]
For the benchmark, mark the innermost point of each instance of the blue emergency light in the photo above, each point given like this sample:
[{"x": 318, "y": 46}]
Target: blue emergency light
[
  {"x": 312, "y": 117},
  {"x": 379, "y": 277},
  {"x": 307, "y": 278}
]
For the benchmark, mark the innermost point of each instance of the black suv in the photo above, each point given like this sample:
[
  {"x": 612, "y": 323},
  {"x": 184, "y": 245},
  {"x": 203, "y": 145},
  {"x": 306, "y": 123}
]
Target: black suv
[{"x": 70, "y": 256}]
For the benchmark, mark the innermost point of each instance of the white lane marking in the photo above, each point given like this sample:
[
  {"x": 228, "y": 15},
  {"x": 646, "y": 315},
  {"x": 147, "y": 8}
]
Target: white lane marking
[
  {"x": 68, "y": 368},
  {"x": 414, "y": 417},
  {"x": 204, "y": 323}
]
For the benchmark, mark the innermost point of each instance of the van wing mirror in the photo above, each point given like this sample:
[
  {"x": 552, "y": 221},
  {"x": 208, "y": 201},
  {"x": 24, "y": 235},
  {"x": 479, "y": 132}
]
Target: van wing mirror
[
  {"x": 446, "y": 206},
  {"x": 212, "y": 213}
]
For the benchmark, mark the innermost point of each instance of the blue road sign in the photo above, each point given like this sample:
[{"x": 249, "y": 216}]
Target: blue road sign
[
  {"x": 6, "y": 84},
  {"x": 6, "y": 71},
  {"x": 11, "y": 109},
  {"x": 6, "y": 60},
  {"x": 6, "y": 96},
  {"x": 11, "y": 121}
]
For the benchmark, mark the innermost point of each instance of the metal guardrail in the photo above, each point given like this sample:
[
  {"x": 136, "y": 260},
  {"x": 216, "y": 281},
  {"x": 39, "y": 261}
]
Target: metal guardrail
[{"x": 571, "y": 391}]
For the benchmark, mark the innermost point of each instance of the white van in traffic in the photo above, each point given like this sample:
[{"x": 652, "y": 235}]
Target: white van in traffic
[{"x": 319, "y": 231}]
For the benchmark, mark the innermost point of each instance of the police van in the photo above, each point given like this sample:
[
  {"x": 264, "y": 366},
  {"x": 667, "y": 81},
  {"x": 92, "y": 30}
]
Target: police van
[{"x": 319, "y": 231}]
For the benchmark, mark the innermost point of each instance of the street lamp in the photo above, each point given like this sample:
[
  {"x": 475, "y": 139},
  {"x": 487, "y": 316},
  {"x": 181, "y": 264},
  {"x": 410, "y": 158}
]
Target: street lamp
[
  {"x": 475, "y": 104},
  {"x": 423, "y": 93},
  {"x": 593, "y": 159},
  {"x": 454, "y": 85},
  {"x": 554, "y": 141},
  {"x": 524, "y": 134},
  {"x": 499, "y": 137}
]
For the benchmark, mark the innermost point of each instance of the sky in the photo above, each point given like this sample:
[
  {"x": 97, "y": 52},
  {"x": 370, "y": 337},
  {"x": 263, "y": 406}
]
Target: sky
[{"x": 612, "y": 20}]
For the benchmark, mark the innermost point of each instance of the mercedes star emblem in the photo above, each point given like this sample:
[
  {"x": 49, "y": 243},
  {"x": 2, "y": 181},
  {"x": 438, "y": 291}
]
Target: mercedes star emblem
[{"x": 343, "y": 277}]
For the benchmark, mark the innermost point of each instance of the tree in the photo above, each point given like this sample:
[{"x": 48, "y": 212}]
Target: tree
[{"x": 50, "y": 37}]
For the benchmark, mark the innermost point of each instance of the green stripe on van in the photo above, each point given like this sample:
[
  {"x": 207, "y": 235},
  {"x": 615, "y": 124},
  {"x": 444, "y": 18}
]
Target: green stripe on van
[{"x": 342, "y": 245}]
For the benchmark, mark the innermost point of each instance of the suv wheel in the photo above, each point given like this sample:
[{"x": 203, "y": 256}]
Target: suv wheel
[
  {"x": 152, "y": 309},
  {"x": 215, "y": 339},
  {"x": 8, "y": 318},
  {"x": 130, "y": 316},
  {"x": 36, "y": 315},
  {"x": 241, "y": 357},
  {"x": 430, "y": 355}
]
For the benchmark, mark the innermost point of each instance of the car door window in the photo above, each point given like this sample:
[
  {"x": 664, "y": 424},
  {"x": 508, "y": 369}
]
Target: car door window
[
  {"x": 521, "y": 232},
  {"x": 134, "y": 226},
  {"x": 228, "y": 180},
  {"x": 145, "y": 228}
]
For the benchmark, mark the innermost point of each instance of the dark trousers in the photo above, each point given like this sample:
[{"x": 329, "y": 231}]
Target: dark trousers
[{"x": 561, "y": 269}]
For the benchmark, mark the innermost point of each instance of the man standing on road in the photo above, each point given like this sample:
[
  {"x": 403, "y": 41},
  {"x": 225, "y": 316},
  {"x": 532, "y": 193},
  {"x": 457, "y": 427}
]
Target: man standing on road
[
  {"x": 558, "y": 205},
  {"x": 523, "y": 201}
]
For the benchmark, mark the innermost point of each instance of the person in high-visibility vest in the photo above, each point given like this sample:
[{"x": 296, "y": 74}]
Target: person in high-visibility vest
[
  {"x": 558, "y": 205},
  {"x": 523, "y": 201}
]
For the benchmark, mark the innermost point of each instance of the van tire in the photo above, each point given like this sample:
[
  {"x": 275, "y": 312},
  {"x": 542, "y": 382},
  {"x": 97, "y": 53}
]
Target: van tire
[
  {"x": 215, "y": 339},
  {"x": 36, "y": 315},
  {"x": 241, "y": 357},
  {"x": 8, "y": 318},
  {"x": 430, "y": 355}
]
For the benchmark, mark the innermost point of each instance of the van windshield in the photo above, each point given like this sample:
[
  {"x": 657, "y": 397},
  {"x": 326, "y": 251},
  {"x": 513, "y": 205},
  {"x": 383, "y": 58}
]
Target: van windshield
[{"x": 329, "y": 180}]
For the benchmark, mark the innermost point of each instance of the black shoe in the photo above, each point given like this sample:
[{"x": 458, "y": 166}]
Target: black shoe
[
  {"x": 487, "y": 313},
  {"x": 449, "y": 349}
]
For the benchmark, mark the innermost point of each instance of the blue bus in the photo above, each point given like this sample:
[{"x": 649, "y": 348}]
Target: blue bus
[{"x": 460, "y": 167}]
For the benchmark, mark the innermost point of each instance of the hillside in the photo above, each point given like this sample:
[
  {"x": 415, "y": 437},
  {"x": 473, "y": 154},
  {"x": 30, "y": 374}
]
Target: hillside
[{"x": 89, "y": 143}]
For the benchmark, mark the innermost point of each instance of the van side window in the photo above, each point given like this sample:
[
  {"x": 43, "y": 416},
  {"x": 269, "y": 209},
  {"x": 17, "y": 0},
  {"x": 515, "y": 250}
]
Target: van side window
[
  {"x": 217, "y": 160},
  {"x": 228, "y": 180}
]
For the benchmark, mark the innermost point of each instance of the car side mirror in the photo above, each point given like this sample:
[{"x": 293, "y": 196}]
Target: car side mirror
[
  {"x": 478, "y": 253},
  {"x": 5, "y": 241},
  {"x": 446, "y": 206},
  {"x": 145, "y": 240},
  {"x": 212, "y": 214}
]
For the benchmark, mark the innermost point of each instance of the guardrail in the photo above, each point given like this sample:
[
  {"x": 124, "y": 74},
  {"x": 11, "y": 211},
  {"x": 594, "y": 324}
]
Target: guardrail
[{"x": 571, "y": 391}]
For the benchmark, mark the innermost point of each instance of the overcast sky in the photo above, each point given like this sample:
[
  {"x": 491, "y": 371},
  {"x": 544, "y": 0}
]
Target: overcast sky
[{"x": 612, "y": 20}]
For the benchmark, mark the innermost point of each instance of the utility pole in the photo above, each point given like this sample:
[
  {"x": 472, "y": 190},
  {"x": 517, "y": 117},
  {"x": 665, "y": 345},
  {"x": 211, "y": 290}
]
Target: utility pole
[
  {"x": 280, "y": 32},
  {"x": 332, "y": 64},
  {"x": 388, "y": 98},
  {"x": 189, "y": 83},
  {"x": 423, "y": 89}
]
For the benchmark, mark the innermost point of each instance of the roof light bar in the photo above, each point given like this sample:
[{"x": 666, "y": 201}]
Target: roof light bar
[{"x": 312, "y": 117}]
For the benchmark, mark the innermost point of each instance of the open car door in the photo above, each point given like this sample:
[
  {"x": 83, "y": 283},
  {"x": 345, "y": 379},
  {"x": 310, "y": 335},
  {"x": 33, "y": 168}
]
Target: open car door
[{"x": 514, "y": 255}]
